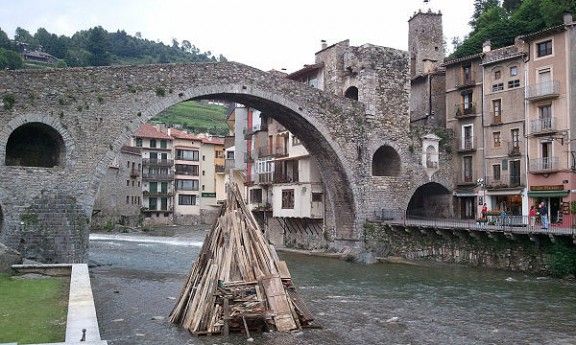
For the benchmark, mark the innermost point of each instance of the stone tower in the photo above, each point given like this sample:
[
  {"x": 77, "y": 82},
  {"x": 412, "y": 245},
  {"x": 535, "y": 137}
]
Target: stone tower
[{"x": 425, "y": 42}]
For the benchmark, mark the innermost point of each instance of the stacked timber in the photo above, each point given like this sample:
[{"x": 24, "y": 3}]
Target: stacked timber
[{"x": 238, "y": 283}]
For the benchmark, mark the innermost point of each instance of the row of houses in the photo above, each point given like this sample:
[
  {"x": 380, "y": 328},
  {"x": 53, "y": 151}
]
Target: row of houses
[
  {"x": 512, "y": 111},
  {"x": 162, "y": 176}
]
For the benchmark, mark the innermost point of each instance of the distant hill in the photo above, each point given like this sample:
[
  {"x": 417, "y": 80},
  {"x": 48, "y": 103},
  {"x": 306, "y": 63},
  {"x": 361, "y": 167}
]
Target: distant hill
[
  {"x": 196, "y": 117},
  {"x": 95, "y": 47}
]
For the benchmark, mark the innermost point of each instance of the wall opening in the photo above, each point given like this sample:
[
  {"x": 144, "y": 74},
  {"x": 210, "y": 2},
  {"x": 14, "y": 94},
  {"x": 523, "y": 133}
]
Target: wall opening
[
  {"x": 431, "y": 200},
  {"x": 35, "y": 145},
  {"x": 352, "y": 93},
  {"x": 386, "y": 162}
]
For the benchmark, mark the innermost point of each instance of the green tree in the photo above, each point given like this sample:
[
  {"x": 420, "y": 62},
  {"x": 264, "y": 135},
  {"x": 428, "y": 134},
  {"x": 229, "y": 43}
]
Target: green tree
[
  {"x": 511, "y": 5},
  {"x": 10, "y": 59},
  {"x": 97, "y": 45},
  {"x": 481, "y": 6},
  {"x": 4, "y": 40},
  {"x": 24, "y": 36}
]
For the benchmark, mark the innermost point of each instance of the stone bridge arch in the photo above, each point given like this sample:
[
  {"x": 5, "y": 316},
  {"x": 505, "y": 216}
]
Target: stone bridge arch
[{"x": 97, "y": 109}]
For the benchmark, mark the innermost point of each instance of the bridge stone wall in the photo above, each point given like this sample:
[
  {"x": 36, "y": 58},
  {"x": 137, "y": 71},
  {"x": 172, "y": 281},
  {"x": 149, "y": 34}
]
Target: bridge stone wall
[{"x": 47, "y": 210}]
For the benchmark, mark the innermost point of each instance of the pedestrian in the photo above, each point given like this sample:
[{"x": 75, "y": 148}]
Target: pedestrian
[
  {"x": 543, "y": 215},
  {"x": 503, "y": 216},
  {"x": 532, "y": 216},
  {"x": 484, "y": 212}
]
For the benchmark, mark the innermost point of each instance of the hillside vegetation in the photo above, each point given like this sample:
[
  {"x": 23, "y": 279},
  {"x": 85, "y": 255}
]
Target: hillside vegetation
[
  {"x": 196, "y": 117},
  {"x": 501, "y": 21},
  {"x": 97, "y": 47}
]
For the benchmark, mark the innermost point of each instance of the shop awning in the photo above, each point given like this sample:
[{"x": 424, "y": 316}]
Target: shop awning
[{"x": 548, "y": 194}]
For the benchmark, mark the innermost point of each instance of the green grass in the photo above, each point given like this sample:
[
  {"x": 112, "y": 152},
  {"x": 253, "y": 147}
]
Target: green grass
[
  {"x": 196, "y": 117},
  {"x": 33, "y": 310}
]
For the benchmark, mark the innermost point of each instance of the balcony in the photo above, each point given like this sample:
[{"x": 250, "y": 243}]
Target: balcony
[
  {"x": 465, "y": 110},
  {"x": 495, "y": 118},
  {"x": 544, "y": 165},
  {"x": 466, "y": 144},
  {"x": 547, "y": 89},
  {"x": 466, "y": 180},
  {"x": 219, "y": 168},
  {"x": 545, "y": 125},
  {"x": 157, "y": 193},
  {"x": 514, "y": 148},
  {"x": 167, "y": 210},
  {"x": 158, "y": 162},
  {"x": 464, "y": 81},
  {"x": 134, "y": 173},
  {"x": 153, "y": 176},
  {"x": 265, "y": 178},
  {"x": 280, "y": 151},
  {"x": 261, "y": 151},
  {"x": 284, "y": 178},
  {"x": 505, "y": 181}
]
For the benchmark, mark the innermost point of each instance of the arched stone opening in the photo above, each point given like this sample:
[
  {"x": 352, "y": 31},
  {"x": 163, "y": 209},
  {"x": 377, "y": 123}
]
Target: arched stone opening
[
  {"x": 386, "y": 162},
  {"x": 352, "y": 93},
  {"x": 431, "y": 200},
  {"x": 35, "y": 144}
]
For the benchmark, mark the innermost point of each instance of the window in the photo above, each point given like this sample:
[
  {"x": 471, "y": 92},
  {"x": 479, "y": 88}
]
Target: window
[
  {"x": 230, "y": 155},
  {"x": 203, "y": 173},
  {"x": 163, "y": 144},
  {"x": 544, "y": 48},
  {"x": 316, "y": 197},
  {"x": 187, "y": 184},
  {"x": 138, "y": 142},
  {"x": 189, "y": 155},
  {"x": 190, "y": 170},
  {"x": 153, "y": 155},
  {"x": 127, "y": 183},
  {"x": 545, "y": 114},
  {"x": 497, "y": 87},
  {"x": 153, "y": 203},
  {"x": 287, "y": 198},
  {"x": 467, "y": 168},
  {"x": 153, "y": 187},
  {"x": 256, "y": 196},
  {"x": 164, "y": 204},
  {"x": 497, "y": 107},
  {"x": 152, "y": 142},
  {"x": 128, "y": 164},
  {"x": 515, "y": 137},
  {"x": 203, "y": 157},
  {"x": 138, "y": 183},
  {"x": 497, "y": 75},
  {"x": 219, "y": 154},
  {"x": 127, "y": 199},
  {"x": 467, "y": 101},
  {"x": 133, "y": 183},
  {"x": 203, "y": 188},
  {"x": 467, "y": 73},
  {"x": 496, "y": 172},
  {"x": 496, "y": 137},
  {"x": 513, "y": 83},
  {"x": 513, "y": 71},
  {"x": 352, "y": 93},
  {"x": 186, "y": 199},
  {"x": 295, "y": 141}
]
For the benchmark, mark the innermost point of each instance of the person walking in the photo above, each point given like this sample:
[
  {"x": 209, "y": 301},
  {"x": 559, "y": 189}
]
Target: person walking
[
  {"x": 544, "y": 215},
  {"x": 532, "y": 216}
]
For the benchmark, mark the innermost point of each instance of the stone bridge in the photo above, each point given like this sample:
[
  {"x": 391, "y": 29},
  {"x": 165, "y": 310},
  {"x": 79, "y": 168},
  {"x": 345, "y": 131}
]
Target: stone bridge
[{"x": 61, "y": 128}]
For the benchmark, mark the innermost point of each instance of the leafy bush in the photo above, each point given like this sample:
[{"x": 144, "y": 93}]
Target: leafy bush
[{"x": 562, "y": 260}]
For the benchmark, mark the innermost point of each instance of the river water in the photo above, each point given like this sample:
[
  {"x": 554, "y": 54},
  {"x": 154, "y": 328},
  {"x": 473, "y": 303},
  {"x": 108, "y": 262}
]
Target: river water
[{"x": 135, "y": 282}]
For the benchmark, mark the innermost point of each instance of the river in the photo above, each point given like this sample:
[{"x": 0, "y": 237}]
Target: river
[{"x": 136, "y": 278}]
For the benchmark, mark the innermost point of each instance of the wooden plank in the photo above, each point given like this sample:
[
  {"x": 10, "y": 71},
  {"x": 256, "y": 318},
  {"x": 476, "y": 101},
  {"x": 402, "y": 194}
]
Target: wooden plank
[
  {"x": 283, "y": 270},
  {"x": 278, "y": 302}
]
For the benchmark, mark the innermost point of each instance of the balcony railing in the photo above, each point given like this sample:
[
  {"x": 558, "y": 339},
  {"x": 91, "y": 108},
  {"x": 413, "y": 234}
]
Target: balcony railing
[
  {"x": 465, "y": 109},
  {"x": 543, "y": 125},
  {"x": 514, "y": 148},
  {"x": 496, "y": 118},
  {"x": 466, "y": 179},
  {"x": 465, "y": 80},
  {"x": 544, "y": 165},
  {"x": 283, "y": 178},
  {"x": 158, "y": 162},
  {"x": 157, "y": 193},
  {"x": 261, "y": 151},
  {"x": 543, "y": 90},
  {"x": 265, "y": 178},
  {"x": 505, "y": 181},
  {"x": 134, "y": 173},
  {"x": 219, "y": 168},
  {"x": 157, "y": 176},
  {"x": 466, "y": 144},
  {"x": 280, "y": 151}
]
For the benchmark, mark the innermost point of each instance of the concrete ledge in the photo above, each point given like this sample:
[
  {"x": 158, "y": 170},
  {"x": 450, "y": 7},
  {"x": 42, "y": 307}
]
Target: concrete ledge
[{"x": 81, "y": 309}]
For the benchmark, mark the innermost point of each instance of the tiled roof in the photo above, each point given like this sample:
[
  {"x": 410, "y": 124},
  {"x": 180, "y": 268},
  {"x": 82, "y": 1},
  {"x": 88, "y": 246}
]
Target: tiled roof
[
  {"x": 178, "y": 134},
  {"x": 213, "y": 141},
  {"x": 306, "y": 70},
  {"x": 149, "y": 131}
]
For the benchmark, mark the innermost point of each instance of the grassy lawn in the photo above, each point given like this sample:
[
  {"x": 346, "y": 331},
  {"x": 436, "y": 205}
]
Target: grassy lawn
[
  {"x": 195, "y": 116},
  {"x": 33, "y": 310}
]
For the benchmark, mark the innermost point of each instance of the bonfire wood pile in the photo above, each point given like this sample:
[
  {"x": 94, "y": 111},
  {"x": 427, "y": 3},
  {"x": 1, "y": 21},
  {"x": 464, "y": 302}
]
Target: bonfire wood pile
[{"x": 238, "y": 282}]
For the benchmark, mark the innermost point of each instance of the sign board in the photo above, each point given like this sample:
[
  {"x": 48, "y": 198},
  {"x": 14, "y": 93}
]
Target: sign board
[
  {"x": 208, "y": 195},
  {"x": 547, "y": 188}
]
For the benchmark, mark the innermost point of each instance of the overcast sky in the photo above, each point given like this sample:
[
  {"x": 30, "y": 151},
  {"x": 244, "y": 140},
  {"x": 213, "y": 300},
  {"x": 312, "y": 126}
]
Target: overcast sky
[{"x": 266, "y": 34}]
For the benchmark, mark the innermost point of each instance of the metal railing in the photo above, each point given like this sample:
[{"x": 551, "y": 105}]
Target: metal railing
[
  {"x": 159, "y": 162},
  {"x": 465, "y": 109},
  {"x": 157, "y": 193},
  {"x": 158, "y": 176},
  {"x": 544, "y": 124},
  {"x": 466, "y": 144},
  {"x": 134, "y": 173},
  {"x": 514, "y": 148},
  {"x": 543, "y": 90},
  {"x": 544, "y": 165},
  {"x": 494, "y": 222},
  {"x": 505, "y": 181},
  {"x": 265, "y": 178},
  {"x": 465, "y": 80},
  {"x": 280, "y": 151},
  {"x": 496, "y": 117}
]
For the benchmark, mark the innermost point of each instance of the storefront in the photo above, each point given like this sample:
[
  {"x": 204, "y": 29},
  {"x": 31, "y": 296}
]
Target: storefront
[
  {"x": 556, "y": 199},
  {"x": 465, "y": 203}
]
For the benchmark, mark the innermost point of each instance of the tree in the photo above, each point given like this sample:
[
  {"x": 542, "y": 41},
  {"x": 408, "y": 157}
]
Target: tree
[
  {"x": 24, "y": 36},
  {"x": 50, "y": 43},
  {"x": 511, "y": 5},
  {"x": 481, "y": 6},
  {"x": 4, "y": 40},
  {"x": 97, "y": 45},
  {"x": 186, "y": 45},
  {"x": 9, "y": 59}
]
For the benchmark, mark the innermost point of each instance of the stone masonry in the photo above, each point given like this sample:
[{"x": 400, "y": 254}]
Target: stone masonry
[{"x": 47, "y": 210}]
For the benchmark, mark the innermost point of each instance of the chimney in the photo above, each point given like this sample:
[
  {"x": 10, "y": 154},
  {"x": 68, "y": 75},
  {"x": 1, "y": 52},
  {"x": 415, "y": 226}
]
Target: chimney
[
  {"x": 486, "y": 46},
  {"x": 323, "y": 44},
  {"x": 567, "y": 17}
]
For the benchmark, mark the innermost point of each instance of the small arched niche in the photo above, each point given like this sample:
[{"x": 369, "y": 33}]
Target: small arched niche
[
  {"x": 35, "y": 144},
  {"x": 352, "y": 93},
  {"x": 386, "y": 162}
]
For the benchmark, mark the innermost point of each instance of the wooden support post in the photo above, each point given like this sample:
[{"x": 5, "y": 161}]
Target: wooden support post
[
  {"x": 246, "y": 327},
  {"x": 226, "y": 314}
]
